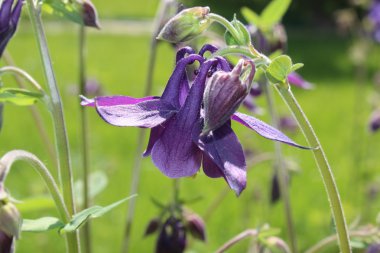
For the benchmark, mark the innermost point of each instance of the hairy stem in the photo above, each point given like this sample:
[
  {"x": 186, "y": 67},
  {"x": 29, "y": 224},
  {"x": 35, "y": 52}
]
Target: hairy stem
[
  {"x": 323, "y": 165},
  {"x": 165, "y": 4},
  {"x": 62, "y": 146},
  {"x": 282, "y": 172},
  {"x": 253, "y": 233},
  {"x": 84, "y": 133}
]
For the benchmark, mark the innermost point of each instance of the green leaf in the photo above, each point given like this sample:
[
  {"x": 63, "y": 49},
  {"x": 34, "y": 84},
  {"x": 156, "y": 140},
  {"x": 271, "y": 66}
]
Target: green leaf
[
  {"x": 251, "y": 16},
  {"x": 278, "y": 70},
  {"x": 64, "y": 9},
  {"x": 41, "y": 225},
  {"x": 98, "y": 181},
  {"x": 273, "y": 13},
  {"x": 93, "y": 212},
  {"x": 20, "y": 97},
  {"x": 296, "y": 67},
  {"x": 244, "y": 36}
]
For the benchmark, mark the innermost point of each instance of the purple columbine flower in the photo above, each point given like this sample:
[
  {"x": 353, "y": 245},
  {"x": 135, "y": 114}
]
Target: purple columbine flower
[
  {"x": 172, "y": 237},
  {"x": 8, "y": 21},
  {"x": 177, "y": 119}
]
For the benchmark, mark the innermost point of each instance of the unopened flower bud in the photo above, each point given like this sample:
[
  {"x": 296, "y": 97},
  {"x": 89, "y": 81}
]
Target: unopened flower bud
[
  {"x": 196, "y": 226},
  {"x": 224, "y": 93},
  {"x": 90, "y": 15},
  {"x": 153, "y": 226},
  {"x": 186, "y": 25},
  {"x": 172, "y": 237}
]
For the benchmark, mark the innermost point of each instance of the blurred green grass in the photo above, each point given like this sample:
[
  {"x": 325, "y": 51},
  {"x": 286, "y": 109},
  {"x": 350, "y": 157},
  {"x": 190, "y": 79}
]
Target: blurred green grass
[{"x": 119, "y": 62}]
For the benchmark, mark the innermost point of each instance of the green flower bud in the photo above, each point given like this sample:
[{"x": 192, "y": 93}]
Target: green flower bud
[{"x": 186, "y": 25}]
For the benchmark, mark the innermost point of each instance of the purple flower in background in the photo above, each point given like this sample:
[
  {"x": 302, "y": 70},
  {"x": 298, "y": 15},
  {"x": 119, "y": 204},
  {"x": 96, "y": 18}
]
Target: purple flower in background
[
  {"x": 297, "y": 80},
  {"x": 374, "y": 248},
  {"x": 190, "y": 128},
  {"x": 374, "y": 123},
  {"x": 8, "y": 21},
  {"x": 374, "y": 16}
]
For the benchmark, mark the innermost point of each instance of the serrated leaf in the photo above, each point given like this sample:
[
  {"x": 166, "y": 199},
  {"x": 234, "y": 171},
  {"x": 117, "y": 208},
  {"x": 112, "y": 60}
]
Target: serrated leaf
[
  {"x": 19, "y": 97},
  {"x": 273, "y": 13},
  {"x": 41, "y": 225},
  {"x": 90, "y": 213},
  {"x": 296, "y": 67},
  {"x": 251, "y": 16},
  {"x": 98, "y": 181},
  {"x": 278, "y": 70}
]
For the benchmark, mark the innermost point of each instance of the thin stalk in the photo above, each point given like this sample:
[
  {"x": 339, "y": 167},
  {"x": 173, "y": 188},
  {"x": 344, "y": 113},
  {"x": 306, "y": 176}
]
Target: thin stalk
[
  {"x": 35, "y": 114},
  {"x": 62, "y": 146},
  {"x": 323, "y": 165},
  {"x": 142, "y": 132},
  {"x": 282, "y": 172},
  {"x": 227, "y": 24},
  {"x": 19, "y": 72},
  {"x": 85, "y": 140}
]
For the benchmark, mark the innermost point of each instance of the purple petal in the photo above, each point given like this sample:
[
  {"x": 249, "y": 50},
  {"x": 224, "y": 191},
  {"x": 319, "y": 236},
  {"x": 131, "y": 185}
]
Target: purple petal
[
  {"x": 225, "y": 150},
  {"x": 6, "y": 243},
  {"x": 263, "y": 129},
  {"x": 210, "y": 168},
  {"x": 207, "y": 48},
  {"x": 16, "y": 12},
  {"x": 172, "y": 91},
  {"x": 113, "y": 100},
  {"x": 5, "y": 13},
  {"x": 144, "y": 114},
  {"x": 175, "y": 154},
  {"x": 182, "y": 52},
  {"x": 297, "y": 80},
  {"x": 155, "y": 134}
]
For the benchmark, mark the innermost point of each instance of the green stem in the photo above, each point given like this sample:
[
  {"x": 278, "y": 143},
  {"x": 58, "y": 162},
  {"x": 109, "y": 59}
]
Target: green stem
[
  {"x": 165, "y": 4},
  {"x": 323, "y": 165},
  {"x": 64, "y": 162},
  {"x": 84, "y": 133},
  {"x": 259, "y": 61},
  {"x": 227, "y": 24},
  {"x": 282, "y": 172},
  {"x": 13, "y": 156}
]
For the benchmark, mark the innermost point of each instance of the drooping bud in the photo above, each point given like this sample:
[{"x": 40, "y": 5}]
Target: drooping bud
[
  {"x": 186, "y": 25},
  {"x": 224, "y": 93},
  {"x": 90, "y": 15},
  {"x": 8, "y": 21},
  {"x": 172, "y": 238},
  {"x": 196, "y": 226},
  {"x": 153, "y": 226}
]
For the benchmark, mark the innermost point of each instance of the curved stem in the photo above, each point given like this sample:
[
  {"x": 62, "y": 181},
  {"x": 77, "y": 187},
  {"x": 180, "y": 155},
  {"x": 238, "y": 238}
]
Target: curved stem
[
  {"x": 260, "y": 61},
  {"x": 165, "y": 4},
  {"x": 63, "y": 153},
  {"x": 13, "y": 156},
  {"x": 323, "y": 165},
  {"x": 227, "y": 24},
  {"x": 20, "y": 72},
  {"x": 84, "y": 135},
  {"x": 248, "y": 233},
  {"x": 282, "y": 172}
]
